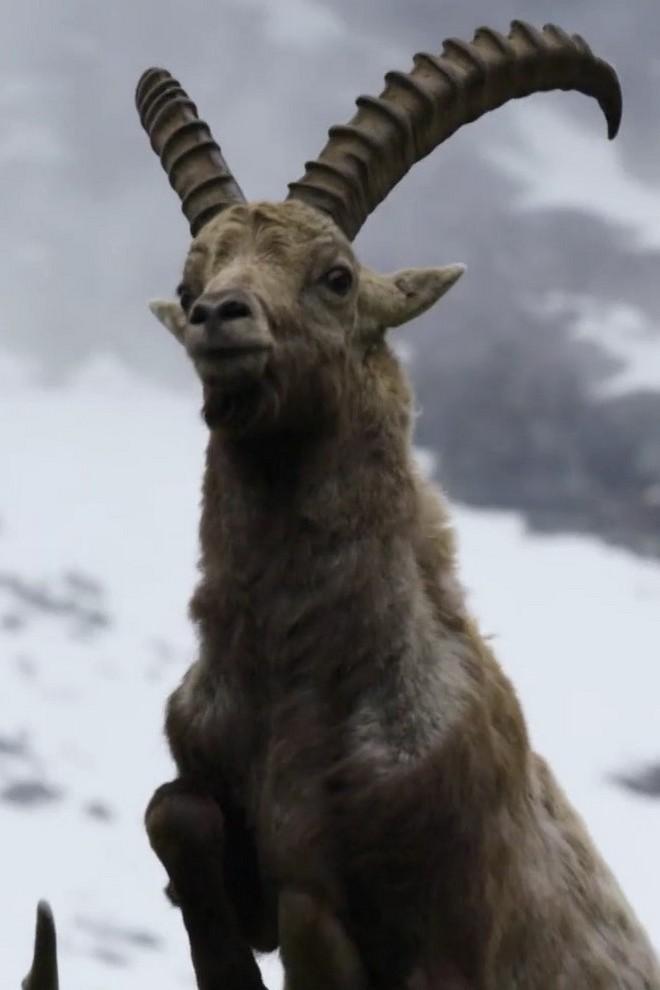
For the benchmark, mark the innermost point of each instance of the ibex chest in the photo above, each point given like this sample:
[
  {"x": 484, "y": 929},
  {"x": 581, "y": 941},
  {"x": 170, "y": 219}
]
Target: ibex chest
[{"x": 305, "y": 669}]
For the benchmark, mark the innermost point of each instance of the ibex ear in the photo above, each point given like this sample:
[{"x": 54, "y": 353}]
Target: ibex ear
[
  {"x": 170, "y": 314},
  {"x": 390, "y": 300}
]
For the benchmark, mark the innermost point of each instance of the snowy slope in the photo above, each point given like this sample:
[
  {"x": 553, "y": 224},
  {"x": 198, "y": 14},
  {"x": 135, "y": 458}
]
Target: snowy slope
[{"x": 98, "y": 508}]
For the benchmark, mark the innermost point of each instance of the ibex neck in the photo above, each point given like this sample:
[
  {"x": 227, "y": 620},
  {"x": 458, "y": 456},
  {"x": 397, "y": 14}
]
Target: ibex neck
[{"x": 289, "y": 488}]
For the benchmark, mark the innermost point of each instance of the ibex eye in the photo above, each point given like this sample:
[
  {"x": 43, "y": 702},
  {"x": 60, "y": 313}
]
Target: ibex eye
[{"x": 339, "y": 280}]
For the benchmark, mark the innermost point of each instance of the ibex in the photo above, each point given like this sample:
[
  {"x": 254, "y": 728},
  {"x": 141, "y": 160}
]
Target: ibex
[{"x": 355, "y": 781}]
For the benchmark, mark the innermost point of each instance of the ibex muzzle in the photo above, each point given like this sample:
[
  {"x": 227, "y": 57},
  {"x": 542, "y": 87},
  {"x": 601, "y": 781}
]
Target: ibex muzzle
[
  {"x": 216, "y": 309},
  {"x": 227, "y": 337}
]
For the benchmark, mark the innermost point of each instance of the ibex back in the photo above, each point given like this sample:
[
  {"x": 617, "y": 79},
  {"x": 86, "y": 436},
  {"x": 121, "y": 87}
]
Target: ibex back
[{"x": 355, "y": 780}]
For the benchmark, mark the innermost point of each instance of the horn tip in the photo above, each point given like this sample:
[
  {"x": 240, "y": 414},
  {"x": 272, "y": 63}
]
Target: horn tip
[
  {"x": 45, "y": 929},
  {"x": 612, "y": 105},
  {"x": 43, "y": 972},
  {"x": 146, "y": 77},
  {"x": 614, "y": 119}
]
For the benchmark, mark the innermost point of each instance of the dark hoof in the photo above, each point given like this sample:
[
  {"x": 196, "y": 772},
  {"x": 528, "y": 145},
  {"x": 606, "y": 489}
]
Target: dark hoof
[{"x": 182, "y": 823}]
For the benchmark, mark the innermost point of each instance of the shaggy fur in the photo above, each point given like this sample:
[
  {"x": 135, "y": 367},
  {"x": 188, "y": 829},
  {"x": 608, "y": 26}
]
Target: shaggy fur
[{"x": 378, "y": 809}]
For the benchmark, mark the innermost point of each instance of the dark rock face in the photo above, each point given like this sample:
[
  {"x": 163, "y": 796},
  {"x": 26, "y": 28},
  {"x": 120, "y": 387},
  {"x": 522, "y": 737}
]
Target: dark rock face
[
  {"x": 75, "y": 598},
  {"x": 645, "y": 782},
  {"x": 517, "y": 422},
  {"x": 29, "y": 793}
]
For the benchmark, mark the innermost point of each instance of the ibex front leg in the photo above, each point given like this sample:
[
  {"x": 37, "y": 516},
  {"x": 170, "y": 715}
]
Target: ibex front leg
[
  {"x": 316, "y": 950},
  {"x": 190, "y": 835},
  {"x": 187, "y": 832}
]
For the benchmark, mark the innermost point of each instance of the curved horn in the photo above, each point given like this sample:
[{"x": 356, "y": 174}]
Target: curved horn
[
  {"x": 417, "y": 111},
  {"x": 43, "y": 974},
  {"x": 193, "y": 161}
]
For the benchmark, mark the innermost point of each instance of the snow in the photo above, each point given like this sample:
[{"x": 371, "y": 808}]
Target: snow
[{"x": 98, "y": 509}]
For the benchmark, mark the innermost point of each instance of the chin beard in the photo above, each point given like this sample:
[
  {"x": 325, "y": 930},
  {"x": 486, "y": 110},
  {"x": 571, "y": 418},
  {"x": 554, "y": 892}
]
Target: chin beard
[
  {"x": 238, "y": 411},
  {"x": 304, "y": 404}
]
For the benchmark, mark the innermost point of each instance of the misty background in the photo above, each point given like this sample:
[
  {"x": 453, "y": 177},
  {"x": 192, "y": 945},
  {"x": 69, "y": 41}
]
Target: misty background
[{"x": 538, "y": 378}]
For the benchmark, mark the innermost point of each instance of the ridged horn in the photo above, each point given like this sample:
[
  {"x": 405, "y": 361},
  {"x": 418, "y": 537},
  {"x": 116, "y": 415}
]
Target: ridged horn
[
  {"x": 417, "y": 111},
  {"x": 193, "y": 161},
  {"x": 43, "y": 973}
]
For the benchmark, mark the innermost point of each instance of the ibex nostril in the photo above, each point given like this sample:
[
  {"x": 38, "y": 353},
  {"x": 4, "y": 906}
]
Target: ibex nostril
[
  {"x": 211, "y": 310},
  {"x": 233, "y": 309},
  {"x": 200, "y": 312}
]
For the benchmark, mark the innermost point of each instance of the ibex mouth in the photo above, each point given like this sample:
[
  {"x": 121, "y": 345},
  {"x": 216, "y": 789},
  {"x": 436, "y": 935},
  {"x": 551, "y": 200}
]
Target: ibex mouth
[
  {"x": 231, "y": 368},
  {"x": 220, "y": 353}
]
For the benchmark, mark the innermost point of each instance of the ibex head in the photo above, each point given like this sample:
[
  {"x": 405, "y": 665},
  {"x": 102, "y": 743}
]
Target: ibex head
[
  {"x": 274, "y": 309},
  {"x": 272, "y": 296}
]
